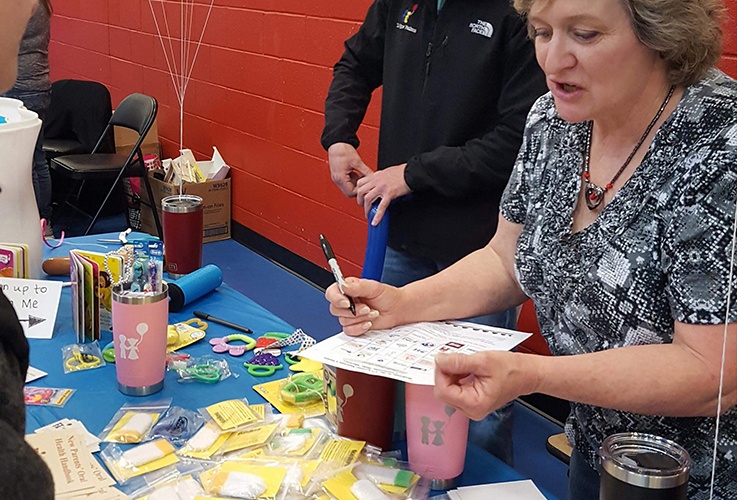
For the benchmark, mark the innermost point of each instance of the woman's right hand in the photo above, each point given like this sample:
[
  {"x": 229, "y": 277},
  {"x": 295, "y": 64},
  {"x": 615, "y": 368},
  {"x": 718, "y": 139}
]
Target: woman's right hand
[{"x": 376, "y": 305}]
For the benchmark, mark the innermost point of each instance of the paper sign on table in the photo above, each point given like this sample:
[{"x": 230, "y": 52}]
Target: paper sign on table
[
  {"x": 407, "y": 353},
  {"x": 91, "y": 441},
  {"x": 512, "y": 490},
  {"x": 72, "y": 466},
  {"x": 34, "y": 374},
  {"x": 104, "y": 493},
  {"x": 35, "y": 302}
]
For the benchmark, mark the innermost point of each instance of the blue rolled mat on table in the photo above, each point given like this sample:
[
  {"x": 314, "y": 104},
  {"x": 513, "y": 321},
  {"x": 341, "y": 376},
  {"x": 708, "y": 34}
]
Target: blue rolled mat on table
[{"x": 191, "y": 287}]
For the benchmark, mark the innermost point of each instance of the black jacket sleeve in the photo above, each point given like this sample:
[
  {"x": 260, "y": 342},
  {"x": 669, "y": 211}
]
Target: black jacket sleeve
[
  {"x": 11, "y": 335},
  {"x": 358, "y": 73},
  {"x": 486, "y": 162},
  {"x": 23, "y": 474}
]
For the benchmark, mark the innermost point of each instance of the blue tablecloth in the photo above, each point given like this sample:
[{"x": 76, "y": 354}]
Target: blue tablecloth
[{"x": 97, "y": 398}]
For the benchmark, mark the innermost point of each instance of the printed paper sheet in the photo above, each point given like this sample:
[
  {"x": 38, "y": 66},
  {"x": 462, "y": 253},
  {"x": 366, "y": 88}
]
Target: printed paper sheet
[{"x": 407, "y": 353}]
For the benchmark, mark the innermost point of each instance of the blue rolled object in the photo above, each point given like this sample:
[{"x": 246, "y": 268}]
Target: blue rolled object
[
  {"x": 373, "y": 261},
  {"x": 194, "y": 285}
]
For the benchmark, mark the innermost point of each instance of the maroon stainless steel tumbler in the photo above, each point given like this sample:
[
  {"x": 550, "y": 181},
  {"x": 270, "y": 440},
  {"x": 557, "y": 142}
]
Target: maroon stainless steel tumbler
[{"x": 182, "y": 220}]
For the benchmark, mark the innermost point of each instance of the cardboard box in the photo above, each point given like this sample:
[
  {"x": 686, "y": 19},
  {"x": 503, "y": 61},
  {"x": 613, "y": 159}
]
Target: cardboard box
[
  {"x": 125, "y": 138},
  {"x": 215, "y": 197}
]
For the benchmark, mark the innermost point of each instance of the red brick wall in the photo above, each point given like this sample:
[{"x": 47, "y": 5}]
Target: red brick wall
[
  {"x": 256, "y": 92},
  {"x": 729, "y": 58}
]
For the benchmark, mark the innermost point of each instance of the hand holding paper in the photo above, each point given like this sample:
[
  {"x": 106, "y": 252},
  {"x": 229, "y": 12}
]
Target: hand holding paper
[
  {"x": 407, "y": 353},
  {"x": 495, "y": 381}
]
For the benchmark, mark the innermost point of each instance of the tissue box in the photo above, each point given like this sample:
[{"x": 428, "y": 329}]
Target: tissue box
[{"x": 215, "y": 198}]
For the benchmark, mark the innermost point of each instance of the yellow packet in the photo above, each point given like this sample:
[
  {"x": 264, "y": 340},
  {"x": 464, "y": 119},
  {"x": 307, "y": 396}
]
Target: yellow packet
[
  {"x": 185, "y": 483},
  {"x": 204, "y": 443},
  {"x": 342, "y": 451},
  {"x": 132, "y": 427},
  {"x": 259, "y": 410},
  {"x": 231, "y": 475},
  {"x": 399, "y": 490},
  {"x": 249, "y": 438},
  {"x": 231, "y": 414},
  {"x": 181, "y": 335},
  {"x": 308, "y": 469},
  {"x": 257, "y": 453},
  {"x": 121, "y": 464},
  {"x": 340, "y": 485},
  {"x": 295, "y": 442}
]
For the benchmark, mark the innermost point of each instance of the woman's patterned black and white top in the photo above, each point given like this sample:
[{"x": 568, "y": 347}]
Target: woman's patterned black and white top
[{"x": 659, "y": 252}]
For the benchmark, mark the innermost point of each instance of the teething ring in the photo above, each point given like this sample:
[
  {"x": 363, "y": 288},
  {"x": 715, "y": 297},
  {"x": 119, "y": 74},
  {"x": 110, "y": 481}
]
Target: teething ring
[
  {"x": 221, "y": 344},
  {"x": 108, "y": 353},
  {"x": 302, "y": 388},
  {"x": 263, "y": 342},
  {"x": 263, "y": 365},
  {"x": 206, "y": 373},
  {"x": 196, "y": 323},
  {"x": 82, "y": 361}
]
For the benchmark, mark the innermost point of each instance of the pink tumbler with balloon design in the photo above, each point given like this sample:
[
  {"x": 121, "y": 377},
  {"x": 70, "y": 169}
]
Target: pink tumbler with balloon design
[
  {"x": 139, "y": 336},
  {"x": 436, "y": 437}
]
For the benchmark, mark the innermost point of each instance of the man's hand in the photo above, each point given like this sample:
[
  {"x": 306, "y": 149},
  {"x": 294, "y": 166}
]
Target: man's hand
[
  {"x": 387, "y": 184},
  {"x": 346, "y": 167}
]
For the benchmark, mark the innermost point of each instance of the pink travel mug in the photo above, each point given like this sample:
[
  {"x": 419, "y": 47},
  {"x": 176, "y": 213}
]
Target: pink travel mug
[
  {"x": 139, "y": 336},
  {"x": 436, "y": 437},
  {"x": 182, "y": 219}
]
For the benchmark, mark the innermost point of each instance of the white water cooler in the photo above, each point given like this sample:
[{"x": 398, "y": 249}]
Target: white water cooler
[{"x": 19, "y": 219}]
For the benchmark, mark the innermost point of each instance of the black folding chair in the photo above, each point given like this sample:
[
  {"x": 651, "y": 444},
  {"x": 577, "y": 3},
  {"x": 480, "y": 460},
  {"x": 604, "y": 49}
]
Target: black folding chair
[
  {"x": 78, "y": 112},
  {"x": 136, "y": 112}
]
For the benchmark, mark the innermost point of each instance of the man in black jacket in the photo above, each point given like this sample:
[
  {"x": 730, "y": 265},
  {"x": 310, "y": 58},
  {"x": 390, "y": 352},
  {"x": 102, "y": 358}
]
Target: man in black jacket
[{"x": 458, "y": 79}]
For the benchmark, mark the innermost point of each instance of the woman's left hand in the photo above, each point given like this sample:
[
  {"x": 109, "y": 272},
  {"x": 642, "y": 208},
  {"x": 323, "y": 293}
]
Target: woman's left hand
[{"x": 478, "y": 384}]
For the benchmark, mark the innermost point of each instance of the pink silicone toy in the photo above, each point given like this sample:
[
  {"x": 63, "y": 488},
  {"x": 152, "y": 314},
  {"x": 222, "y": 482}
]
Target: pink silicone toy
[{"x": 221, "y": 344}]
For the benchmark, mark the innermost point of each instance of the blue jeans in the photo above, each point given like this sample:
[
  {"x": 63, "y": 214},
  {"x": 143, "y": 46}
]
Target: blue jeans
[
  {"x": 493, "y": 433},
  {"x": 583, "y": 481},
  {"x": 38, "y": 102}
]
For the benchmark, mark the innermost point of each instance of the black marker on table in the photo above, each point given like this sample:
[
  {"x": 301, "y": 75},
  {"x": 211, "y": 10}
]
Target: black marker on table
[
  {"x": 209, "y": 317},
  {"x": 330, "y": 256}
]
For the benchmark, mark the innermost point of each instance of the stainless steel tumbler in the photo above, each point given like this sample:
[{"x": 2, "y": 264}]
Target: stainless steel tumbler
[{"x": 637, "y": 466}]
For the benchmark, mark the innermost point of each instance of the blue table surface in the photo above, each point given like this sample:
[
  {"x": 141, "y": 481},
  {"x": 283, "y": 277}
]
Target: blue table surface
[{"x": 97, "y": 398}]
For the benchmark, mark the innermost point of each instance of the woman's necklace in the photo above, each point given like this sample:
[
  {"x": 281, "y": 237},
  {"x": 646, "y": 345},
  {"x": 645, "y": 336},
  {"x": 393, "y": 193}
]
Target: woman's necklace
[{"x": 595, "y": 194}]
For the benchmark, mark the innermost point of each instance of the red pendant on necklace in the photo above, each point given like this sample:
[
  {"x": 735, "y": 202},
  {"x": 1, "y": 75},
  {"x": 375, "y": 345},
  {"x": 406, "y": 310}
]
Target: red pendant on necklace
[{"x": 594, "y": 195}]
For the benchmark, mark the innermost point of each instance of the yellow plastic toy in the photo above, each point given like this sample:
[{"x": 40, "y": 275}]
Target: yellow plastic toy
[{"x": 182, "y": 334}]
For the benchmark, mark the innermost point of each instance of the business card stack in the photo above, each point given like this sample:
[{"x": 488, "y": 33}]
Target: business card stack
[
  {"x": 91, "y": 442},
  {"x": 75, "y": 471}
]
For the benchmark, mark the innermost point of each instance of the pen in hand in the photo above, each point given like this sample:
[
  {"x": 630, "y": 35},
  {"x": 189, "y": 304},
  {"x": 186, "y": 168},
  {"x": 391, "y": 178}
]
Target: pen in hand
[{"x": 330, "y": 256}]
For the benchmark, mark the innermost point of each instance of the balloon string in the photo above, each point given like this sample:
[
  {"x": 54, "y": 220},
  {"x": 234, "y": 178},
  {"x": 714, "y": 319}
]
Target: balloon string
[
  {"x": 181, "y": 73},
  {"x": 724, "y": 357}
]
